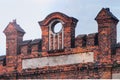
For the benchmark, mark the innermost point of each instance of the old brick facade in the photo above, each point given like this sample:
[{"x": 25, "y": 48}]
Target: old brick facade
[{"x": 61, "y": 55}]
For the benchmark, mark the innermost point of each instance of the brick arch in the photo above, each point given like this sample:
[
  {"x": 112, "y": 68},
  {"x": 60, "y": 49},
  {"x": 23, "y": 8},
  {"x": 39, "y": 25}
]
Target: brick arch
[{"x": 54, "y": 16}]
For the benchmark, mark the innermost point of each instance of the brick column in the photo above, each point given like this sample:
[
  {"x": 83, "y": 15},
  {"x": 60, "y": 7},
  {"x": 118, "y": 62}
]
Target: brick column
[
  {"x": 14, "y": 35},
  {"x": 106, "y": 34}
]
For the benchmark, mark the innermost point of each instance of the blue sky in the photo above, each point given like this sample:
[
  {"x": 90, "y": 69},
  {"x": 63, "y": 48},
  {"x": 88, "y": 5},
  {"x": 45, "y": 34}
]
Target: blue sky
[{"x": 29, "y": 12}]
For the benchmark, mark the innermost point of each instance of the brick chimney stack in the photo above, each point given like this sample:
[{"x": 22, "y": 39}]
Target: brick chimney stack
[{"x": 14, "y": 35}]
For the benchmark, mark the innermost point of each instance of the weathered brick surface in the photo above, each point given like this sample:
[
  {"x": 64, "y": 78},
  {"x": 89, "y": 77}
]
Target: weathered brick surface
[
  {"x": 68, "y": 23},
  {"x": 92, "y": 39},
  {"x": 102, "y": 44},
  {"x": 80, "y": 41}
]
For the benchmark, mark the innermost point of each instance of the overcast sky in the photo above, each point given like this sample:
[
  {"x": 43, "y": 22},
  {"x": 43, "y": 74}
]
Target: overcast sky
[{"x": 29, "y": 12}]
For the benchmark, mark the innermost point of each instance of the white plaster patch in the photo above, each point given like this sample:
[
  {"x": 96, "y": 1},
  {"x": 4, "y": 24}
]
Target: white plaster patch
[
  {"x": 58, "y": 60},
  {"x": 116, "y": 76}
]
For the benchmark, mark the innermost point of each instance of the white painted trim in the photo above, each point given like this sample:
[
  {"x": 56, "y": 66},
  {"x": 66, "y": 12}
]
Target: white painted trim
[
  {"x": 58, "y": 42},
  {"x": 49, "y": 39},
  {"x": 51, "y": 33},
  {"x": 63, "y": 38}
]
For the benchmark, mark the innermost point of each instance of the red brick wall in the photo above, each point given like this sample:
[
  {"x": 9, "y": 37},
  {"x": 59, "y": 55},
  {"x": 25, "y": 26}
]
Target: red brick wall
[{"x": 102, "y": 44}]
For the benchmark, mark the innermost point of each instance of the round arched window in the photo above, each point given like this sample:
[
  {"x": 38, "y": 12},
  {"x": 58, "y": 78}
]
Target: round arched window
[{"x": 56, "y": 26}]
